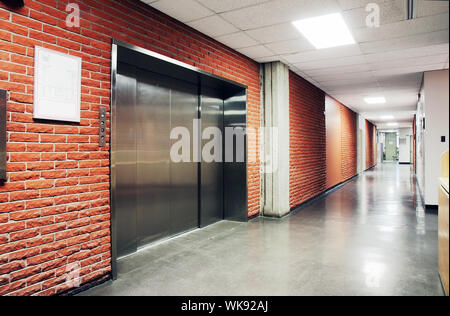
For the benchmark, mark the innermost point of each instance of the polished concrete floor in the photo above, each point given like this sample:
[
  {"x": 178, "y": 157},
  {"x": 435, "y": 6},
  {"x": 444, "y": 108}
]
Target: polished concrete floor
[{"x": 369, "y": 237}]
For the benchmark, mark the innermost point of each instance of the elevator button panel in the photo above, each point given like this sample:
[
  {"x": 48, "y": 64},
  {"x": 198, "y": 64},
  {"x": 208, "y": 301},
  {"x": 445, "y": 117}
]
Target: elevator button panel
[{"x": 102, "y": 127}]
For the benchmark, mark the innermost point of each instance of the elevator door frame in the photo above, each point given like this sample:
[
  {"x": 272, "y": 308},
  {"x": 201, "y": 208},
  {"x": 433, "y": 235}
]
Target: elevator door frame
[{"x": 200, "y": 76}]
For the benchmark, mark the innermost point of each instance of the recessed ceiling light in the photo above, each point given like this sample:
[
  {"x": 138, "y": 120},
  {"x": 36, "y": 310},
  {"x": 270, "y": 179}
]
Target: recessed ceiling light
[
  {"x": 392, "y": 124},
  {"x": 387, "y": 117},
  {"x": 375, "y": 100},
  {"x": 326, "y": 31}
]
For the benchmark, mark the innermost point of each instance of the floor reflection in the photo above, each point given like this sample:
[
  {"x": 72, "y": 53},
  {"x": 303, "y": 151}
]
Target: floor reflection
[{"x": 369, "y": 237}]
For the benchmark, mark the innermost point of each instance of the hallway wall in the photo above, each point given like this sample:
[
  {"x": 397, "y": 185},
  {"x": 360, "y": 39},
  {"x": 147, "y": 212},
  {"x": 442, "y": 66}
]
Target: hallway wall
[
  {"x": 433, "y": 125},
  {"x": 341, "y": 149},
  {"x": 54, "y": 207},
  {"x": 349, "y": 138},
  {"x": 371, "y": 145},
  {"x": 323, "y": 148},
  {"x": 307, "y": 140}
]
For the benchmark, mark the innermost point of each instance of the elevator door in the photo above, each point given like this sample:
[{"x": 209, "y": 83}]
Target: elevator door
[
  {"x": 124, "y": 190},
  {"x": 153, "y": 195},
  {"x": 167, "y": 191},
  {"x": 212, "y": 162}
]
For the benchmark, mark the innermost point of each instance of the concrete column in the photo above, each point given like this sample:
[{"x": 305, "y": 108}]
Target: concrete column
[{"x": 276, "y": 139}]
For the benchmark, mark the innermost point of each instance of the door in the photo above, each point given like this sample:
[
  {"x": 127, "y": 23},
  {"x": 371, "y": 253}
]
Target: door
[
  {"x": 167, "y": 190},
  {"x": 154, "y": 196},
  {"x": 124, "y": 190},
  {"x": 391, "y": 147},
  {"x": 183, "y": 175},
  {"x": 212, "y": 158},
  {"x": 153, "y": 161}
]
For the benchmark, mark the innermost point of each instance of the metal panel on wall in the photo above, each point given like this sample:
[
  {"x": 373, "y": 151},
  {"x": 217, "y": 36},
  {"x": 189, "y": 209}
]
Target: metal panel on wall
[
  {"x": 184, "y": 174},
  {"x": 125, "y": 161},
  {"x": 212, "y": 171},
  {"x": 235, "y": 172},
  {"x": 153, "y": 170}
]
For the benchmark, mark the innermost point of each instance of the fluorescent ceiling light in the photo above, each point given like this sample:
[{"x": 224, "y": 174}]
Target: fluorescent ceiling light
[
  {"x": 326, "y": 31},
  {"x": 387, "y": 117},
  {"x": 392, "y": 124},
  {"x": 375, "y": 100}
]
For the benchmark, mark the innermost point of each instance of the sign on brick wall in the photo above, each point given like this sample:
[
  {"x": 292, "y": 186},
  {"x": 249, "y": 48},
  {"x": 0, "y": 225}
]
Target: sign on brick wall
[{"x": 57, "y": 86}]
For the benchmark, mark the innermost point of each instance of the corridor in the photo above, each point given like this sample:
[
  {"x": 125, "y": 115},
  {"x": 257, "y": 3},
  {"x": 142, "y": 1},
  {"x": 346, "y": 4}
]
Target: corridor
[{"x": 369, "y": 237}]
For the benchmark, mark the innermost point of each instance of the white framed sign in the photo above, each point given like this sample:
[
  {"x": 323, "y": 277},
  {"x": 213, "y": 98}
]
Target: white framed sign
[{"x": 57, "y": 85}]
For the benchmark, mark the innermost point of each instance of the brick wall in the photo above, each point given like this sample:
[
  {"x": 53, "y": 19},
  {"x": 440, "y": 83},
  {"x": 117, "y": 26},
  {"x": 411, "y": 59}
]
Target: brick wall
[
  {"x": 341, "y": 131},
  {"x": 54, "y": 208},
  {"x": 307, "y": 140},
  {"x": 349, "y": 159},
  {"x": 371, "y": 143}
]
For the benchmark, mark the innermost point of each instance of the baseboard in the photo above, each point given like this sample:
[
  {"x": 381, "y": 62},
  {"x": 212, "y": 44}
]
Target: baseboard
[
  {"x": 254, "y": 216},
  {"x": 87, "y": 286},
  {"x": 296, "y": 209},
  {"x": 442, "y": 285},
  {"x": 404, "y": 163}
]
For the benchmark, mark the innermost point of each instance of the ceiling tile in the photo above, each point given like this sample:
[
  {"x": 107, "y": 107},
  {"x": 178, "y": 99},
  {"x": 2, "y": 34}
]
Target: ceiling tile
[
  {"x": 290, "y": 46},
  {"x": 213, "y": 26},
  {"x": 338, "y": 70},
  {"x": 330, "y": 63},
  {"x": 409, "y": 62},
  {"x": 184, "y": 11},
  {"x": 402, "y": 29},
  {"x": 237, "y": 40},
  {"x": 420, "y": 40},
  {"x": 408, "y": 53},
  {"x": 275, "y": 33},
  {"x": 354, "y": 4},
  {"x": 407, "y": 70},
  {"x": 256, "y": 51},
  {"x": 390, "y": 11},
  {"x": 277, "y": 12},
  {"x": 314, "y": 54},
  {"x": 220, "y": 6}
]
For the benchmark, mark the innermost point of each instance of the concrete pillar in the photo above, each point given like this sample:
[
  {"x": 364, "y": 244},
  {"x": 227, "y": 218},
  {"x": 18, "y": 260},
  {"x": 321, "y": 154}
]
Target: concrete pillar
[{"x": 276, "y": 139}]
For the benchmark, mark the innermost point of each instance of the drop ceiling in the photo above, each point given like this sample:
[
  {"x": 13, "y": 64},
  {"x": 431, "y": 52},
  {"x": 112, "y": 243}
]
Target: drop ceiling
[{"x": 386, "y": 61}]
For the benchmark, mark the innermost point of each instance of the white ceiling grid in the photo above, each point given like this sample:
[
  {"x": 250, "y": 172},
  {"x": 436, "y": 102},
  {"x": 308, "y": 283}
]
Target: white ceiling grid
[{"x": 386, "y": 61}]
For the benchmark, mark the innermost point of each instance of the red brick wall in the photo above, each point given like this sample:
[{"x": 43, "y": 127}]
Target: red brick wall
[
  {"x": 371, "y": 142},
  {"x": 349, "y": 159},
  {"x": 307, "y": 140},
  {"x": 54, "y": 207},
  {"x": 341, "y": 126}
]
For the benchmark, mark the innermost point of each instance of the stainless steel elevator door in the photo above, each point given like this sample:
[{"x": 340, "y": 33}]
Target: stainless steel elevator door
[
  {"x": 153, "y": 163},
  {"x": 153, "y": 196},
  {"x": 167, "y": 202},
  {"x": 124, "y": 191},
  {"x": 211, "y": 172},
  {"x": 183, "y": 175}
]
